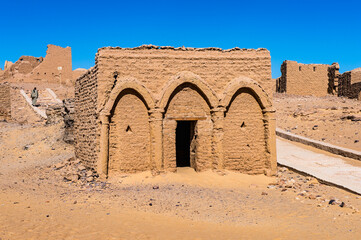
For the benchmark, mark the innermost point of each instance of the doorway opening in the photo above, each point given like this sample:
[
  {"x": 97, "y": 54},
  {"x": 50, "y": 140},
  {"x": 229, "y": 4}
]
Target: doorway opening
[{"x": 185, "y": 134}]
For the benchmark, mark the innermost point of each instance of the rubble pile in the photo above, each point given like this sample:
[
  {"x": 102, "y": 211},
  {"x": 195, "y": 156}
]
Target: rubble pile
[
  {"x": 73, "y": 171},
  {"x": 68, "y": 117},
  {"x": 64, "y": 112}
]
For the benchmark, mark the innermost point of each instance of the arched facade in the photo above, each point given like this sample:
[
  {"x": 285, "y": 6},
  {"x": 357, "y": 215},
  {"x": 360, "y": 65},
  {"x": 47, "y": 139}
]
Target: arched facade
[
  {"x": 187, "y": 102},
  {"x": 187, "y": 121},
  {"x": 129, "y": 134},
  {"x": 249, "y": 126}
]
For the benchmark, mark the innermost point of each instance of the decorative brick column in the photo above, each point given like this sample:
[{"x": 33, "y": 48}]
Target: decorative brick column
[
  {"x": 104, "y": 147},
  {"x": 269, "y": 116},
  {"x": 218, "y": 132},
  {"x": 156, "y": 135}
]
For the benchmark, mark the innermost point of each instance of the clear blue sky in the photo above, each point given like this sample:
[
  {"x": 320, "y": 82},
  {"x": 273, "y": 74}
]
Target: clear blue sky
[{"x": 305, "y": 31}]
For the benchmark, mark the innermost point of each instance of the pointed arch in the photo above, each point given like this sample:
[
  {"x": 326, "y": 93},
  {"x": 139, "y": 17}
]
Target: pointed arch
[
  {"x": 249, "y": 84},
  {"x": 191, "y": 79},
  {"x": 125, "y": 84}
]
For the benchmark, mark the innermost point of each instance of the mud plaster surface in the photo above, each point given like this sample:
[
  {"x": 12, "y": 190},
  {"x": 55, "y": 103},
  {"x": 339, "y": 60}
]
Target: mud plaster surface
[{"x": 35, "y": 202}]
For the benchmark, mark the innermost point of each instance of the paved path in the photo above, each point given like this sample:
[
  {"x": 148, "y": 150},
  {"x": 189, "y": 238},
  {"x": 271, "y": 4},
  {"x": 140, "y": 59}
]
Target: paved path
[{"x": 327, "y": 167}]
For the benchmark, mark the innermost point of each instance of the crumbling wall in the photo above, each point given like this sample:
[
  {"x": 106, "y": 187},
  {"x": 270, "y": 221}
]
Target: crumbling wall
[
  {"x": 21, "y": 68},
  {"x": 281, "y": 82},
  {"x": 68, "y": 117},
  {"x": 5, "y": 102},
  {"x": 350, "y": 83},
  {"x": 56, "y": 67},
  {"x": 86, "y": 119},
  {"x": 304, "y": 79},
  {"x": 333, "y": 78}
]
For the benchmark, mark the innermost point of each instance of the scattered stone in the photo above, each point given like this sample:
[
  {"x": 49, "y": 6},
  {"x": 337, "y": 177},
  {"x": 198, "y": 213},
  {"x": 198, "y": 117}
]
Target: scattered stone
[
  {"x": 81, "y": 168},
  {"x": 342, "y": 204},
  {"x": 26, "y": 147},
  {"x": 311, "y": 196},
  {"x": 90, "y": 179},
  {"x": 313, "y": 181},
  {"x": 332, "y": 202},
  {"x": 155, "y": 187},
  {"x": 283, "y": 169},
  {"x": 264, "y": 193}
]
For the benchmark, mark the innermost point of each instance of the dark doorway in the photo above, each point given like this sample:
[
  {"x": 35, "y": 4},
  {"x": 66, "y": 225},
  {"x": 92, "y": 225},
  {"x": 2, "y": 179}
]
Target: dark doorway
[{"x": 184, "y": 137}]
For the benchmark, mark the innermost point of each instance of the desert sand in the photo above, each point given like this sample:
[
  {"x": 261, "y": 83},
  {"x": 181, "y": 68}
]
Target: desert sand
[
  {"x": 330, "y": 119},
  {"x": 38, "y": 200}
]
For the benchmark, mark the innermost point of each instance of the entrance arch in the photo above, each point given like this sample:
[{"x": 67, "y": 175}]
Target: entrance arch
[{"x": 187, "y": 104}]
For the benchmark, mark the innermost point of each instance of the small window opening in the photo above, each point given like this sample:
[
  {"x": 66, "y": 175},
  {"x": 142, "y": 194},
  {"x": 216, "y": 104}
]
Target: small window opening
[
  {"x": 129, "y": 130},
  {"x": 314, "y": 69},
  {"x": 299, "y": 68},
  {"x": 243, "y": 125}
]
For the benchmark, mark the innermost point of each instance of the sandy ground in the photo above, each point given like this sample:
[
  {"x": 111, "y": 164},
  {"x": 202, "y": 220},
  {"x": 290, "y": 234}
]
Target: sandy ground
[
  {"x": 38, "y": 201},
  {"x": 330, "y": 119}
]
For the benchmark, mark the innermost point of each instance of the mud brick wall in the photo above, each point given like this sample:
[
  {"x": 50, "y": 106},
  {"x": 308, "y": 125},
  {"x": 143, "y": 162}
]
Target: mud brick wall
[
  {"x": 304, "y": 79},
  {"x": 350, "y": 84},
  {"x": 129, "y": 140},
  {"x": 244, "y": 143},
  {"x": 333, "y": 78},
  {"x": 56, "y": 66},
  {"x": 85, "y": 119},
  {"x": 155, "y": 67},
  {"x": 5, "y": 102}
]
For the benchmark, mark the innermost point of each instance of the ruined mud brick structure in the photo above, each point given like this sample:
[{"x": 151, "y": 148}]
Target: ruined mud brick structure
[
  {"x": 159, "y": 108},
  {"x": 56, "y": 67},
  {"x": 305, "y": 79},
  {"x": 5, "y": 102},
  {"x": 350, "y": 84},
  {"x": 333, "y": 78}
]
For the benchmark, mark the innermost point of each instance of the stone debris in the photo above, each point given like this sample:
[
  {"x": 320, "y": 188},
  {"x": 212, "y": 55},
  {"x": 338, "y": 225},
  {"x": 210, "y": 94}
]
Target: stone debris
[
  {"x": 73, "y": 171},
  {"x": 306, "y": 187}
]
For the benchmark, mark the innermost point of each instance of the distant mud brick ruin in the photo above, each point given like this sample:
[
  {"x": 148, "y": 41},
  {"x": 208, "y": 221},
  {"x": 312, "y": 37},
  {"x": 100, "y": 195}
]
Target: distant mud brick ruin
[
  {"x": 56, "y": 67},
  {"x": 303, "y": 79},
  {"x": 350, "y": 84},
  {"x": 159, "y": 108},
  {"x": 54, "y": 72},
  {"x": 318, "y": 80}
]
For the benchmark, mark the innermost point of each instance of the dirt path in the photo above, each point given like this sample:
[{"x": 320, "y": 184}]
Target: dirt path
[
  {"x": 36, "y": 202},
  {"x": 323, "y": 165}
]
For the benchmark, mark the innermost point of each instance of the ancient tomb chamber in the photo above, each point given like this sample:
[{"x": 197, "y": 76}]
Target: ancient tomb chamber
[{"x": 161, "y": 108}]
